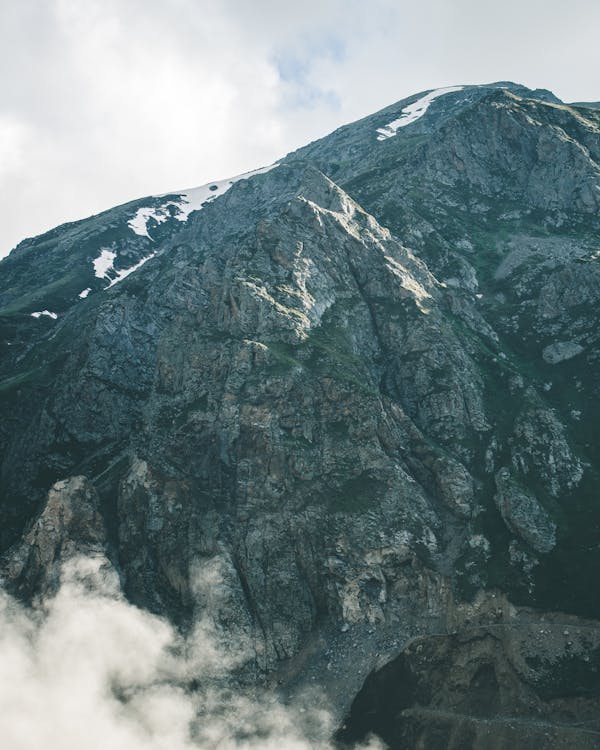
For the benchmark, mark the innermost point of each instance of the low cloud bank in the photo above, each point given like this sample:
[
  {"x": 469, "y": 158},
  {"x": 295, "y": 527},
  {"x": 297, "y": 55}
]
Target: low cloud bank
[{"x": 88, "y": 669}]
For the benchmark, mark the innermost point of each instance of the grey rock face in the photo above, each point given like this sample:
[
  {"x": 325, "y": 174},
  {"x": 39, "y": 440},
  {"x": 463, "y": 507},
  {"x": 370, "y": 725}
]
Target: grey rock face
[
  {"x": 328, "y": 384},
  {"x": 523, "y": 513},
  {"x": 486, "y": 688},
  {"x": 69, "y": 525},
  {"x": 561, "y": 351}
]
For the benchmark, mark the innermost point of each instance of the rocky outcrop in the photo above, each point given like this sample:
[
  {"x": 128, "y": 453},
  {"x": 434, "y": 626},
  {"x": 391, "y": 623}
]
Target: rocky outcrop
[
  {"x": 519, "y": 681},
  {"x": 70, "y": 525},
  {"x": 561, "y": 351},
  {"x": 523, "y": 514}
]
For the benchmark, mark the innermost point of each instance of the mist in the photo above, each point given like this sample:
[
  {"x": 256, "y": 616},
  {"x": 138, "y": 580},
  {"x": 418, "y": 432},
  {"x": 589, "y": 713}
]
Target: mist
[{"x": 85, "y": 668}]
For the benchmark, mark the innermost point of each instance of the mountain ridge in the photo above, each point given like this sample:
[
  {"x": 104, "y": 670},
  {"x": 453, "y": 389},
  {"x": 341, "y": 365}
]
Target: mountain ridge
[{"x": 362, "y": 383}]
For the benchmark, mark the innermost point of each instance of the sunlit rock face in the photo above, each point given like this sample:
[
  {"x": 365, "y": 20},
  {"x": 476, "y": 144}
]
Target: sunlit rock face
[{"x": 359, "y": 382}]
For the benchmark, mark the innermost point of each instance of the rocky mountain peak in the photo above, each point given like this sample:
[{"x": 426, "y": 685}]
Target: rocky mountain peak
[{"x": 359, "y": 383}]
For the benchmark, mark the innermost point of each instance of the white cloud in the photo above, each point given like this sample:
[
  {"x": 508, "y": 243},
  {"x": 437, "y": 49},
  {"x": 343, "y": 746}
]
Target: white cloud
[
  {"x": 102, "y": 102},
  {"x": 88, "y": 669},
  {"x": 14, "y": 138}
]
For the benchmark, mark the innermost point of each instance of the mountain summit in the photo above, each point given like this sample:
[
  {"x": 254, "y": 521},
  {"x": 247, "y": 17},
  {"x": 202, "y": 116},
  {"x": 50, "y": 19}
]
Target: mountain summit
[{"x": 361, "y": 382}]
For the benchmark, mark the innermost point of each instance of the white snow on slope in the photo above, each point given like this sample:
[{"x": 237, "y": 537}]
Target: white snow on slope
[
  {"x": 413, "y": 112},
  {"x": 126, "y": 271},
  {"x": 139, "y": 223},
  {"x": 189, "y": 200},
  {"x": 104, "y": 263},
  {"x": 104, "y": 269},
  {"x": 52, "y": 315}
]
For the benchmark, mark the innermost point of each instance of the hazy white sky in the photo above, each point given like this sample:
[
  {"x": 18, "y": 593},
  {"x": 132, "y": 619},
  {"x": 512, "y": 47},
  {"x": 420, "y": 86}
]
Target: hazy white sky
[{"x": 103, "y": 101}]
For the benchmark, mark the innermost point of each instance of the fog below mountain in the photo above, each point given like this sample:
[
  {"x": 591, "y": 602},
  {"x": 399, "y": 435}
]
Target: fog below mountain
[{"x": 87, "y": 669}]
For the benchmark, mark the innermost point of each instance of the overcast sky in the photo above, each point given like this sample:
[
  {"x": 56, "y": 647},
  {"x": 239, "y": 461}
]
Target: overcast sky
[{"x": 103, "y": 101}]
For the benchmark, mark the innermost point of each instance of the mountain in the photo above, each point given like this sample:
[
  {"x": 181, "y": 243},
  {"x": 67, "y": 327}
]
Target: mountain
[
  {"x": 361, "y": 382},
  {"x": 587, "y": 105}
]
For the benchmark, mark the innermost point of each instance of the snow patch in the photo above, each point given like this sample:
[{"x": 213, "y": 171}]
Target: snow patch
[
  {"x": 413, "y": 112},
  {"x": 85, "y": 293},
  {"x": 49, "y": 314},
  {"x": 190, "y": 200},
  {"x": 139, "y": 223},
  {"x": 104, "y": 263},
  {"x": 126, "y": 271}
]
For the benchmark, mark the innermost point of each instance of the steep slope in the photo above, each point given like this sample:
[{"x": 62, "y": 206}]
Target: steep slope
[
  {"x": 361, "y": 382},
  {"x": 501, "y": 202}
]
